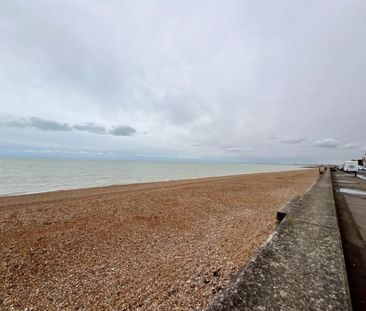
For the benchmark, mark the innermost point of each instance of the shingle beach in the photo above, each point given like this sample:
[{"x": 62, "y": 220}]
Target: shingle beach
[{"x": 155, "y": 246}]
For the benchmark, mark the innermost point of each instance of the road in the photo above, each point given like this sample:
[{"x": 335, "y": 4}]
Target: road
[{"x": 350, "y": 198}]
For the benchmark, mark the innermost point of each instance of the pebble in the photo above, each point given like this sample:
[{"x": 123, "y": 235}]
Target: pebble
[{"x": 162, "y": 246}]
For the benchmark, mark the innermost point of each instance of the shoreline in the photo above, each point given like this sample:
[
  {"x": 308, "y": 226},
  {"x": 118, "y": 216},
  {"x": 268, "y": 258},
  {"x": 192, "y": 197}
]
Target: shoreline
[
  {"x": 30, "y": 177},
  {"x": 189, "y": 179},
  {"x": 143, "y": 246}
]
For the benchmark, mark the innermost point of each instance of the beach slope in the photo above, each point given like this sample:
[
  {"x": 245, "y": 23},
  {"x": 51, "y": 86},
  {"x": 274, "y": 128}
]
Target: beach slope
[{"x": 156, "y": 246}]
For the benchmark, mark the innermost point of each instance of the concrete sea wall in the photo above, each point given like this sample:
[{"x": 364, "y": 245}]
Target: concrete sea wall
[{"x": 301, "y": 265}]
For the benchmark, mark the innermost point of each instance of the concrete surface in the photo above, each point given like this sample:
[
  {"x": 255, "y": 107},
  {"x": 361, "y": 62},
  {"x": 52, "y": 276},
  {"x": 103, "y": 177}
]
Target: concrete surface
[
  {"x": 284, "y": 210},
  {"x": 351, "y": 208},
  {"x": 300, "y": 267}
]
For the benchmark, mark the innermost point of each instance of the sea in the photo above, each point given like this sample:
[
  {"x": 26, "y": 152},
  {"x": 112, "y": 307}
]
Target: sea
[{"x": 24, "y": 176}]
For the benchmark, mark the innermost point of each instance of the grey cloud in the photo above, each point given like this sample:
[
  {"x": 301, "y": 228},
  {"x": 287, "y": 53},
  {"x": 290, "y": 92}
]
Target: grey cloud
[
  {"x": 349, "y": 146},
  {"x": 38, "y": 123},
  {"x": 91, "y": 128},
  {"x": 292, "y": 141},
  {"x": 239, "y": 149},
  {"x": 122, "y": 130},
  {"x": 327, "y": 143},
  {"x": 275, "y": 138},
  {"x": 50, "y": 125},
  {"x": 116, "y": 130}
]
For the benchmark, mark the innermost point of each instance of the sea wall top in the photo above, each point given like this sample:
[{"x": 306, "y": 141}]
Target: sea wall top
[{"x": 300, "y": 267}]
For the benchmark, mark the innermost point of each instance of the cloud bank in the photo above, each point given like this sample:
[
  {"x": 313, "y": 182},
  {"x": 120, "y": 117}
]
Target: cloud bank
[
  {"x": 122, "y": 130},
  {"x": 239, "y": 149},
  {"x": 38, "y": 123},
  {"x": 327, "y": 143},
  {"x": 91, "y": 128},
  {"x": 292, "y": 141},
  {"x": 50, "y": 125}
]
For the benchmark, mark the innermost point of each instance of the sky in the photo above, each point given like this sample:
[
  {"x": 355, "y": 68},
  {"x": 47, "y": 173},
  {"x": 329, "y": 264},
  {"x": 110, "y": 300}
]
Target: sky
[{"x": 248, "y": 81}]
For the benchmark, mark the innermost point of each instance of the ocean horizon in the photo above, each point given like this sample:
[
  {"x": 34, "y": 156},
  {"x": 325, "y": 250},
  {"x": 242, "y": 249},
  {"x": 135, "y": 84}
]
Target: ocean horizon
[{"x": 35, "y": 175}]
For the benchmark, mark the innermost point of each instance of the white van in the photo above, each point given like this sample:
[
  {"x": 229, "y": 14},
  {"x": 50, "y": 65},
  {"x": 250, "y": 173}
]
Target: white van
[{"x": 350, "y": 166}]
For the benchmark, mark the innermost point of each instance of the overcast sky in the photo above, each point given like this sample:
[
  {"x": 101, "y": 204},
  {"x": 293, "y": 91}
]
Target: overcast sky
[{"x": 252, "y": 81}]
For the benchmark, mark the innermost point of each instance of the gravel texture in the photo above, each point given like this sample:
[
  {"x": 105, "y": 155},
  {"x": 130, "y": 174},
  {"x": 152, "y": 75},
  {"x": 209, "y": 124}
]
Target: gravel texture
[{"x": 157, "y": 246}]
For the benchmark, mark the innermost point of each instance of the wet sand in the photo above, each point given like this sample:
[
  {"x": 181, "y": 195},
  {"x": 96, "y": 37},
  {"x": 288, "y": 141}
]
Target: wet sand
[{"x": 156, "y": 246}]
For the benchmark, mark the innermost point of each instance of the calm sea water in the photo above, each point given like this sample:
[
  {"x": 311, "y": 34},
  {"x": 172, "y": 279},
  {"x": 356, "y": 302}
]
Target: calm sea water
[{"x": 19, "y": 176}]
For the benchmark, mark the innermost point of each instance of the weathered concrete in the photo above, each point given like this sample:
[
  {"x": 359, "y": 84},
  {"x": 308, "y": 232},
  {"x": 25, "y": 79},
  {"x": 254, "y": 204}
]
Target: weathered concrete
[
  {"x": 300, "y": 267},
  {"x": 284, "y": 210}
]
